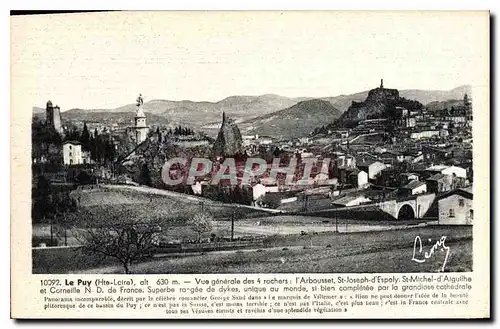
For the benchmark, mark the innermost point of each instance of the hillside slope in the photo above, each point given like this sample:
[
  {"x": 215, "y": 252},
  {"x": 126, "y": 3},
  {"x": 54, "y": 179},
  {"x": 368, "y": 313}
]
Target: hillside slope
[
  {"x": 427, "y": 96},
  {"x": 296, "y": 121}
]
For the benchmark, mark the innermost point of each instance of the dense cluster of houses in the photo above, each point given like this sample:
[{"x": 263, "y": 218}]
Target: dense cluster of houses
[{"x": 429, "y": 152}]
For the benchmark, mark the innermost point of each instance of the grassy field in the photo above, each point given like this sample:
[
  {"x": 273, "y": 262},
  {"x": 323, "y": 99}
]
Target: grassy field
[
  {"x": 147, "y": 201},
  {"x": 314, "y": 260},
  {"x": 177, "y": 230},
  {"x": 386, "y": 251},
  {"x": 175, "y": 209},
  {"x": 368, "y": 246},
  {"x": 327, "y": 252},
  {"x": 292, "y": 224}
]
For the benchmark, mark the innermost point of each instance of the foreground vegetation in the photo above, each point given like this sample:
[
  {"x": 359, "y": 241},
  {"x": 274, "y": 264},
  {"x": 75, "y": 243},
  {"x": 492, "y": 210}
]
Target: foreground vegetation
[{"x": 383, "y": 251}]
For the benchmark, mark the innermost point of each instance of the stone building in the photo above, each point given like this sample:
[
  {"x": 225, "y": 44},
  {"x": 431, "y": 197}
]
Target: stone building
[
  {"x": 74, "y": 155},
  {"x": 53, "y": 117},
  {"x": 456, "y": 207}
]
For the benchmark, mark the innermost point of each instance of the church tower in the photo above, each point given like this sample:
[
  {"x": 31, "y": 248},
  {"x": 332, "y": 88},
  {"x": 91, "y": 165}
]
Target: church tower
[{"x": 141, "y": 129}]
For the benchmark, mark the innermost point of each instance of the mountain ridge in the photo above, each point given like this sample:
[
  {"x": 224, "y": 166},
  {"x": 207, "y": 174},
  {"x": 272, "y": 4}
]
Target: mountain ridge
[{"x": 244, "y": 107}]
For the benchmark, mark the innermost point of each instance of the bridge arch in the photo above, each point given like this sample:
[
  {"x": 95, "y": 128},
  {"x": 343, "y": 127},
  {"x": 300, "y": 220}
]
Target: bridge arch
[{"x": 406, "y": 211}]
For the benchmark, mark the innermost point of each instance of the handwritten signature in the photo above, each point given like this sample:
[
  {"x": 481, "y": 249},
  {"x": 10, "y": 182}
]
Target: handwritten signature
[{"x": 420, "y": 257}]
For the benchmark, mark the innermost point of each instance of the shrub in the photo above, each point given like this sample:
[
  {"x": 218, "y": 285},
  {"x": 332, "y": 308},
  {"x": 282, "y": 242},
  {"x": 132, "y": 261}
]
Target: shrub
[{"x": 201, "y": 223}]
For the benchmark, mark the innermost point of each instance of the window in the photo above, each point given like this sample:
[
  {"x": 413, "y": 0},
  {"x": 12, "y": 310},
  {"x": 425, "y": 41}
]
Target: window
[
  {"x": 70, "y": 147},
  {"x": 461, "y": 202},
  {"x": 452, "y": 213},
  {"x": 70, "y": 154},
  {"x": 471, "y": 214}
]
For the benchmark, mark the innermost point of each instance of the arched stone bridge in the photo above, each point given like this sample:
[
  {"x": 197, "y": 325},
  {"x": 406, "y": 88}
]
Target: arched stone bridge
[{"x": 415, "y": 206}]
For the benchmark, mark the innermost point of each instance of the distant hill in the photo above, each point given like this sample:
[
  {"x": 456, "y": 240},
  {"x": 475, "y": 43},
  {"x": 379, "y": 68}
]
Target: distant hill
[
  {"x": 39, "y": 113},
  {"x": 108, "y": 118},
  {"x": 189, "y": 113},
  {"x": 342, "y": 102},
  {"x": 295, "y": 121},
  {"x": 448, "y": 104},
  {"x": 427, "y": 96},
  {"x": 207, "y": 115},
  {"x": 202, "y": 113}
]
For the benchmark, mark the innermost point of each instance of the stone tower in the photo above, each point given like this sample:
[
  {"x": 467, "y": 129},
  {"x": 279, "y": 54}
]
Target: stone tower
[
  {"x": 467, "y": 101},
  {"x": 141, "y": 129},
  {"x": 53, "y": 117}
]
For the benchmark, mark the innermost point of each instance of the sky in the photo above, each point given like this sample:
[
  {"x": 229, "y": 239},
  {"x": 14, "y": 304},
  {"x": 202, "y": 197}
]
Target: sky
[{"x": 104, "y": 60}]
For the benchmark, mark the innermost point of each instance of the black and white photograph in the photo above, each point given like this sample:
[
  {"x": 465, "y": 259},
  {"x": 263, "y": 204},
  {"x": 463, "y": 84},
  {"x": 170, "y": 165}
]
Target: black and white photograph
[{"x": 257, "y": 142}]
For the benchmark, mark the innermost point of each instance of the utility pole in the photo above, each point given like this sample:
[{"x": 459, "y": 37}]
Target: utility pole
[
  {"x": 51, "y": 232},
  {"x": 336, "y": 224},
  {"x": 232, "y": 226},
  {"x": 65, "y": 230}
]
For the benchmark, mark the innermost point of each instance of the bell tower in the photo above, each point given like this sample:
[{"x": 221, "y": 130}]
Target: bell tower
[{"x": 141, "y": 129}]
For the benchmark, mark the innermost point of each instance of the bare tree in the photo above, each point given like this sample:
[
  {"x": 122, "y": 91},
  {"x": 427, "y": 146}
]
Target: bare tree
[
  {"x": 117, "y": 233},
  {"x": 201, "y": 223}
]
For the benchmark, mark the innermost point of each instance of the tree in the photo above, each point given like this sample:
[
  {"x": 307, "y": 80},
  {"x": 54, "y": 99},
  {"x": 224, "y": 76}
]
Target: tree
[
  {"x": 201, "y": 223},
  {"x": 41, "y": 195},
  {"x": 46, "y": 142},
  {"x": 145, "y": 175},
  {"x": 63, "y": 205},
  {"x": 108, "y": 232},
  {"x": 83, "y": 178},
  {"x": 158, "y": 134},
  {"x": 72, "y": 134},
  {"x": 110, "y": 152},
  {"x": 85, "y": 138}
]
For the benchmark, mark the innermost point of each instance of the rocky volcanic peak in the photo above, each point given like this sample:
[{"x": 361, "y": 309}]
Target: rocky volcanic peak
[
  {"x": 229, "y": 141},
  {"x": 382, "y": 95},
  {"x": 376, "y": 105}
]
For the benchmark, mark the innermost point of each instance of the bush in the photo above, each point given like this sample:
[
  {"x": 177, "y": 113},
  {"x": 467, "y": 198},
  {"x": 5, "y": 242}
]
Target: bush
[{"x": 201, "y": 223}]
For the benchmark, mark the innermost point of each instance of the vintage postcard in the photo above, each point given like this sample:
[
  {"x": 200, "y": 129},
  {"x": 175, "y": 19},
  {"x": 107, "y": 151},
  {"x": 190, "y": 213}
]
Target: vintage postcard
[{"x": 248, "y": 164}]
